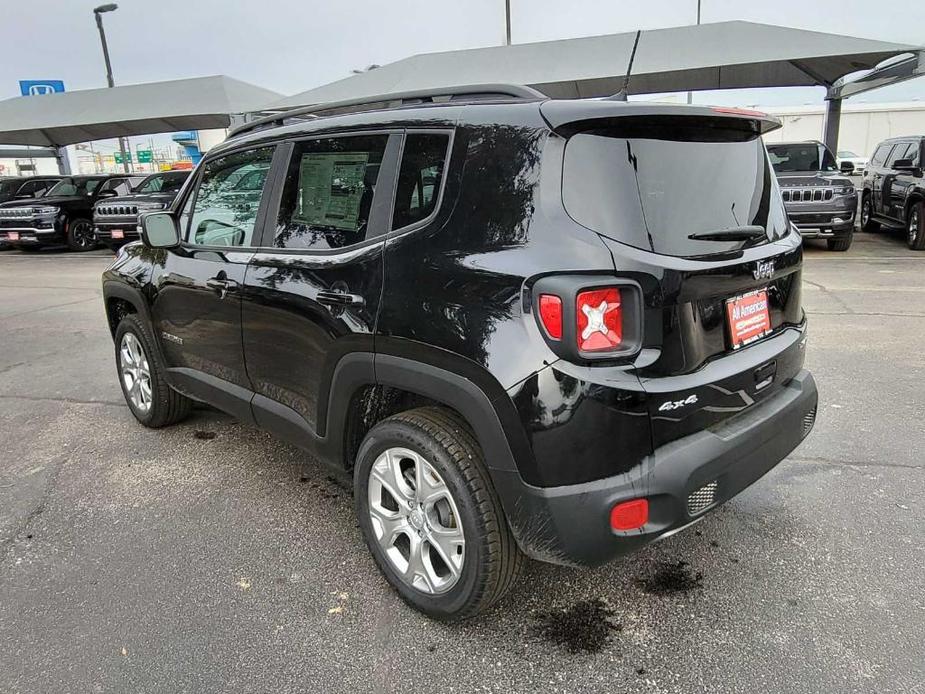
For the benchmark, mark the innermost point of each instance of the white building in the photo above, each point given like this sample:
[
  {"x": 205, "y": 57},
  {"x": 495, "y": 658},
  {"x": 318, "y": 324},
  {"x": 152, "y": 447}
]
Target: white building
[{"x": 863, "y": 126}]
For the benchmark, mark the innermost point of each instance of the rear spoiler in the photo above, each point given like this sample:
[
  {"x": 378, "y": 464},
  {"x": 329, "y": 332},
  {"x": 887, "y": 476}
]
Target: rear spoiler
[{"x": 567, "y": 117}]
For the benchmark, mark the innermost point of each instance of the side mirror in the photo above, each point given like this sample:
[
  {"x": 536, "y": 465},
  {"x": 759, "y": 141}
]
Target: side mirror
[
  {"x": 159, "y": 230},
  {"x": 846, "y": 167},
  {"x": 906, "y": 165}
]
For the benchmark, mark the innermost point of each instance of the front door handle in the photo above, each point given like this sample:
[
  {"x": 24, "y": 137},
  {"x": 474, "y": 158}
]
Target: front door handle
[
  {"x": 340, "y": 299},
  {"x": 221, "y": 286}
]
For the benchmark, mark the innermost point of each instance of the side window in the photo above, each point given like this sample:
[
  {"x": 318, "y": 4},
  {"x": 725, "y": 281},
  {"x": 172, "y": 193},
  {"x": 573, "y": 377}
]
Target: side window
[
  {"x": 119, "y": 185},
  {"x": 880, "y": 155},
  {"x": 419, "y": 178},
  {"x": 328, "y": 192},
  {"x": 828, "y": 161},
  {"x": 899, "y": 152},
  {"x": 226, "y": 203}
]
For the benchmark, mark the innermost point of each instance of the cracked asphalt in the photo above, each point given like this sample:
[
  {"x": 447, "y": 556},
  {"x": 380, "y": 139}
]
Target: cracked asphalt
[{"x": 142, "y": 561}]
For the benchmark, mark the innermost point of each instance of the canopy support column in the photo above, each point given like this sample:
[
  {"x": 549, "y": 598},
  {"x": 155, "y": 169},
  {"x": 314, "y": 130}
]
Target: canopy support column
[
  {"x": 64, "y": 165},
  {"x": 831, "y": 123}
]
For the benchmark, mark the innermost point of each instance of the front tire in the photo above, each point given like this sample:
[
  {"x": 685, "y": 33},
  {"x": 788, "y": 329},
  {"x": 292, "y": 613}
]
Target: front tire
[
  {"x": 915, "y": 227},
  {"x": 430, "y": 515},
  {"x": 867, "y": 215},
  {"x": 80, "y": 236},
  {"x": 154, "y": 403}
]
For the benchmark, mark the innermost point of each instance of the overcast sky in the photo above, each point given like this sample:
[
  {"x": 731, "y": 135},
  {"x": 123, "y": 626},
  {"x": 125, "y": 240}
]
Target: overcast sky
[{"x": 294, "y": 46}]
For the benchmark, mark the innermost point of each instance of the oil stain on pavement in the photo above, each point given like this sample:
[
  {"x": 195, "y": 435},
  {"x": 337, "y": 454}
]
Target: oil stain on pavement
[{"x": 585, "y": 627}]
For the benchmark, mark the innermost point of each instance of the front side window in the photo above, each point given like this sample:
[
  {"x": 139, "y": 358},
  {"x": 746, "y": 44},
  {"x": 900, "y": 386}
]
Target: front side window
[
  {"x": 75, "y": 186},
  {"x": 880, "y": 155},
  {"x": 904, "y": 150},
  {"x": 419, "y": 178},
  {"x": 162, "y": 183},
  {"x": 328, "y": 192},
  {"x": 224, "y": 212}
]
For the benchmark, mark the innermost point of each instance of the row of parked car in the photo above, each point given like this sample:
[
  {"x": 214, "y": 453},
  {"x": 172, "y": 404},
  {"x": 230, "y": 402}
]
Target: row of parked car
[
  {"x": 81, "y": 211},
  {"x": 823, "y": 202}
]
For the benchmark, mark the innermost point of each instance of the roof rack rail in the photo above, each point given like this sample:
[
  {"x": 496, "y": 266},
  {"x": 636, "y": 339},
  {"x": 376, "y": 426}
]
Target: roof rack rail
[{"x": 472, "y": 92}]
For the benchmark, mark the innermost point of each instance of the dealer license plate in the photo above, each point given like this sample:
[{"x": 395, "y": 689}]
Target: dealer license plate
[{"x": 748, "y": 317}]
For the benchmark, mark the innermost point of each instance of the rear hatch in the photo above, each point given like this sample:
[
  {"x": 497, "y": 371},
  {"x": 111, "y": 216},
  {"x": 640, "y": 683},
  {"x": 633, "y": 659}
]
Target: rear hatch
[{"x": 688, "y": 204}]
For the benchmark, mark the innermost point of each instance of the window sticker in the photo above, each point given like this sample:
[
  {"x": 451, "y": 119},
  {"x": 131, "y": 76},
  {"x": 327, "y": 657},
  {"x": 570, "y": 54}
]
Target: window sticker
[{"x": 331, "y": 187}]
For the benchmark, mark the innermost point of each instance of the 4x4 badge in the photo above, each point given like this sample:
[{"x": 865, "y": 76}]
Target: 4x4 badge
[{"x": 764, "y": 270}]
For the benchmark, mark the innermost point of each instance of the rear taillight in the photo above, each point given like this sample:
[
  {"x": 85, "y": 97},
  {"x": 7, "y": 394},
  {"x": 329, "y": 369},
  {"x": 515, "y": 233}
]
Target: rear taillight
[
  {"x": 551, "y": 315},
  {"x": 588, "y": 318},
  {"x": 630, "y": 515},
  {"x": 600, "y": 319}
]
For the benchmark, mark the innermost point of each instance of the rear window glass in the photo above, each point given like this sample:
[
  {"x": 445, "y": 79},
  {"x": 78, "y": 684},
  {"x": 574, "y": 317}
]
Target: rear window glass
[
  {"x": 653, "y": 193},
  {"x": 422, "y": 163}
]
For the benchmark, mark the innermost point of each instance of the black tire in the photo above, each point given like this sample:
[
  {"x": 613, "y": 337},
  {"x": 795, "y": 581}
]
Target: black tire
[
  {"x": 167, "y": 406},
  {"x": 491, "y": 560},
  {"x": 842, "y": 243},
  {"x": 80, "y": 236},
  {"x": 915, "y": 226},
  {"x": 867, "y": 216}
]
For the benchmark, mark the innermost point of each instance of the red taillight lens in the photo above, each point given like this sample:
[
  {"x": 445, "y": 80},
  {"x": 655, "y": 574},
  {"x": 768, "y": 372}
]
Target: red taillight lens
[
  {"x": 600, "y": 319},
  {"x": 551, "y": 315},
  {"x": 630, "y": 515}
]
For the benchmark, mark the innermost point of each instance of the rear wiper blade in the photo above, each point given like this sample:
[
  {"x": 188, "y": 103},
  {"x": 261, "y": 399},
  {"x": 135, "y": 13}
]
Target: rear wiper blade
[{"x": 743, "y": 233}]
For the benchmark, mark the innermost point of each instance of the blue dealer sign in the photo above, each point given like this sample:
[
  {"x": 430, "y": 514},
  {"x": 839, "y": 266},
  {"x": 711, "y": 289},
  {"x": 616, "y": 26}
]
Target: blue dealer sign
[{"x": 40, "y": 87}]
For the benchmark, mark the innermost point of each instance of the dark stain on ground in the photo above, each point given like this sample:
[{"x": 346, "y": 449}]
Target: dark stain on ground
[
  {"x": 204, "y": 435},
  {"x": 671, "y": 578},
  {"x": 640, "y": 671},
  {"x": 714, "y": 543},
  {"x": 585, "y": 627}
]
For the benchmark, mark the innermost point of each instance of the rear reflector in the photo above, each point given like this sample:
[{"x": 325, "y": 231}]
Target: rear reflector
[
  {"x": 551, "y": 315},
  {"x": 629, "y": 515},
  {"x": 600, "y": 320}
]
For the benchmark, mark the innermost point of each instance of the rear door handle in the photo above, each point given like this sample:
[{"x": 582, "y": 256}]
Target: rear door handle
[
  {"x": 340, "y": 299},
  {"x": 221, "y": 286}
]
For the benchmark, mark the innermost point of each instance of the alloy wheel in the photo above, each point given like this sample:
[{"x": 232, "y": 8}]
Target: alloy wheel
[
  {"x": 913, "y": 225},
  {"x": 865, "y": 212},
  {"x": 82, "y": 233},
  {"x": 136, "y": 375},
  {"x": 416, "y": 521}
]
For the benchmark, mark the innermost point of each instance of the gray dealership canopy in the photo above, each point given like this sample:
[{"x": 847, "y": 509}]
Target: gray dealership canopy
[
  {"x": 724, "y": 55},
  {"x": 136, "y": 109}
]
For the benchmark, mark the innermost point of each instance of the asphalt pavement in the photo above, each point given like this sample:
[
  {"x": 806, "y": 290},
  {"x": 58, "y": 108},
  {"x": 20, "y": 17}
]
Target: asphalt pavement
[{"x": 209, "y": 557}]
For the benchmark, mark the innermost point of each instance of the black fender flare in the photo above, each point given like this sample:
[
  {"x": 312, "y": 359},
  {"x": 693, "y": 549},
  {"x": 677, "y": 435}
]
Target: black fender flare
[{"x": 113, "y": 289}]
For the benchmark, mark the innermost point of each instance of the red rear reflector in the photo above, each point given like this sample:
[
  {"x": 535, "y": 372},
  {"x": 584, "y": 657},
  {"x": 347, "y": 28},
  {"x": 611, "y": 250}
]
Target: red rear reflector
[
  {"x": 630, "y": 515},
  {"x": 600, "y": 320},
  {"x": 551, "y": 315}
]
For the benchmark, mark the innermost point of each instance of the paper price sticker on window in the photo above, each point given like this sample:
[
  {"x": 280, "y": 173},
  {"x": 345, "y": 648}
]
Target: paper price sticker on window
[{"x": 748, "y": 317}]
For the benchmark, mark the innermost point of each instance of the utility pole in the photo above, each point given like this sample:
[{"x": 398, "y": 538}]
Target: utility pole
[
  {"x": 98, "y": 13},
  {"x": 690, "y": 96},
  {"x": 507, "y": 22}
]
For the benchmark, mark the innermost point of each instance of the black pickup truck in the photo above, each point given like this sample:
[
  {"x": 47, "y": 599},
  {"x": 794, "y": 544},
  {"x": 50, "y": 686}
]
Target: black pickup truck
[
  {"x": 893, "y": 195},
  {"x": 115, "y": 220},
  {"x": 63, "y": 215}
]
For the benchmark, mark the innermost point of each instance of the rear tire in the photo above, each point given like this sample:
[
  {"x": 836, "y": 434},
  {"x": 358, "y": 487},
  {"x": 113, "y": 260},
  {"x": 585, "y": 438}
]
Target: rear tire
[
  {"x": 915, "y": 226},
  {"x": 141, "y": 375},
  {"x": 80, "y": 236},
  {"x": 434, "y": 455},
  {"x": 842, "y": 243},
  {"x": 867, "y": 215}
]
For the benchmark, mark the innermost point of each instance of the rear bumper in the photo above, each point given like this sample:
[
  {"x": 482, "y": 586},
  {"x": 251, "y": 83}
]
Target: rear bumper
[{"x": 570, "y": 524}]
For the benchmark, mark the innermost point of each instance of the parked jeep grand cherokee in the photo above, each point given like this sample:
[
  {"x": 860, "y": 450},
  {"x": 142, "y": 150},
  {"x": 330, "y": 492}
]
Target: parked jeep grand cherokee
[
  {"x": 559, "y": 329},
  {"x": 821, "y": 201},
  {"x": 63, "y": 215},
  {"x": 115, "y": 220},
  {"x": 894, "y": 189}
]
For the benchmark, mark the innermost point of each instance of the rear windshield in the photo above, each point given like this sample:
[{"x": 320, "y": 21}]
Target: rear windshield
[{"x": 653, "y": 191}]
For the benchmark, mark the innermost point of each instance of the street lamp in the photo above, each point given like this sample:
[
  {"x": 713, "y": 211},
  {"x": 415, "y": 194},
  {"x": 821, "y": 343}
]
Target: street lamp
[{"x": 98, "y": 13}]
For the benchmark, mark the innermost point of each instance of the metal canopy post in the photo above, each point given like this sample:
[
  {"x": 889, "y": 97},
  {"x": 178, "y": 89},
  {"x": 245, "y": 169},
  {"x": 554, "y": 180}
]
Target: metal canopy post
[
  {"x": 831, "y": 124},
  {"x": 64, "y": 165}
]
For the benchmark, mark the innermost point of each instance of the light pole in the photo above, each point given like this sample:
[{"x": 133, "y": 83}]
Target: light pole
[
  {"x": 98, "y": 13},
  {"x": 690, "y": 96},
  {"x": 507, "y": 22}
]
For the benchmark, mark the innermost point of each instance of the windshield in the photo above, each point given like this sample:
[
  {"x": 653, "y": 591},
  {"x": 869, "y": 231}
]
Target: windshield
[
  {"x": 654, "y": 192},
  {"x": 162, "y": 183},
  {"x": 10, "y": 187},
  {"x": 801, "y": 156},
  {"x": 75, "y": 186},
  {"x": 847, "y": 154}
]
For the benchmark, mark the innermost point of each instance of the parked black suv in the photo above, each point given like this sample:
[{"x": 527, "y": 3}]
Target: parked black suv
[
  {"x": 63, "y": 214},
  {"x": 115, "y": 220},
  {"x": 28, "y": 187},
  {"x": 894, "y": 189},
  {"x": 560, "y": 329},
  {"x": 821, "y": 201}
]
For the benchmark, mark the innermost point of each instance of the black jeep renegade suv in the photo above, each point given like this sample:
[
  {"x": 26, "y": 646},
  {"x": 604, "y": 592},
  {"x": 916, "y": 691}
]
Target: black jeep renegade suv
[{"x": 559, "y": 329}]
